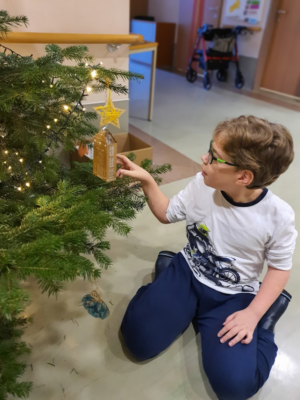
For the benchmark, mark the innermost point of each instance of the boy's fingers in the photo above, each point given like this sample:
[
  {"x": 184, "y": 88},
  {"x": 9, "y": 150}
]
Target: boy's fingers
[
  {"x": 238, "y": 338},
  {"x": 122, "y": 172},
  {"x": 125, "y": 162},
  {"x": 226, "y": 329},
  {"x": 228, "y": 319},
  {"x": 123, "y": 158},
  {"x": 248, "y": 338},
  {"x": 230, "y": 334}
]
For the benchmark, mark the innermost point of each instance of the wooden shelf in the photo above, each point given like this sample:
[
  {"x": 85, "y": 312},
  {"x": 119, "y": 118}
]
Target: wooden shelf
[
  {"x": 250, "y": 28},
  {"x": 144, "y": 45}
]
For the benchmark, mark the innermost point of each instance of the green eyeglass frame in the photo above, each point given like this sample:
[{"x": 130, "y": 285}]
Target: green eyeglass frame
[{"x": 211, "y": 157}]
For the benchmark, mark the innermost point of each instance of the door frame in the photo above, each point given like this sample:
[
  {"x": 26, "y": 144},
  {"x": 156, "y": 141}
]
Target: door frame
[
  {"x": 265, "y": 45},
  {"x": 197, "y": 17}
]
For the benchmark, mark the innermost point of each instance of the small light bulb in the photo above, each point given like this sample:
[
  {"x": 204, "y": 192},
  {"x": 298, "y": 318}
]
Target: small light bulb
[
  {"x": 21, "y": 160},
  {"x": 26, "y": 173},
  {"x": 27, "y": 184},
  {"x": 88, "y": 89},
  {"x": 17, "y": 154},
  {"x": 40, "y": 161},
  {"x": 94, "y": 74},
  {"x": 86, "y": 64},
  {"x": 9, "y": 167},
  {"x": 66, "y": 107},
  {"x": 43, "y": 81},
  {"x": 48, "y": 126},
  {"x": 20, "y": 188},
  {"x": 55, "y": 120},
  {"x": 51, "y": 86},
  {"x": 101, "y": 63},
  {"x": 6, "y": 152},
  {"x": 4, "y": 162},
  {"x": 83, "y": 109}
]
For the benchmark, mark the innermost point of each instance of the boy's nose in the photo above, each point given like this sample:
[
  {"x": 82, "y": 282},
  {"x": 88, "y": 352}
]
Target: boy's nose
[{"x": 204, "y": 158}]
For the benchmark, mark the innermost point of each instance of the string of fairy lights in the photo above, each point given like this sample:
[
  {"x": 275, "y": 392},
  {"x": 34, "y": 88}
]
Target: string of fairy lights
[{"x": 53, "y": 134}]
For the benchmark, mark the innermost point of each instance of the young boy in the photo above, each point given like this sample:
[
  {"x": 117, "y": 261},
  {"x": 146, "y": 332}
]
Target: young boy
[{"x": 234, "y": 224}]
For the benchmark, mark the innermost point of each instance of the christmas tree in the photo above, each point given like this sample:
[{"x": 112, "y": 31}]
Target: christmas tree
[{"x": 51, "y": 216}]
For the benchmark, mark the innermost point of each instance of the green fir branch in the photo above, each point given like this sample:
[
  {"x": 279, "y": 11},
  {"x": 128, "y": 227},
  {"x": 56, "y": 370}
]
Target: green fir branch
[
  {"x": 7, "y": 22},
  {"x": 53, "y": 220}
]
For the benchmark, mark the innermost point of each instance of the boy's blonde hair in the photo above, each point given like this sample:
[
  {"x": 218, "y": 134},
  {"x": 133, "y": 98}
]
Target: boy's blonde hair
[{"x": 257, "y": 145}]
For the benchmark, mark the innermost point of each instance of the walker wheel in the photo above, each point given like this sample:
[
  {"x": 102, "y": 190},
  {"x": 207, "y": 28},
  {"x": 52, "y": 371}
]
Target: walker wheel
[
  {"x": 191, "y": 75},
  {"x": 206, "y": 81},
  {"x": 239, "y": 81},
  {"x": 222, "y": 75}
]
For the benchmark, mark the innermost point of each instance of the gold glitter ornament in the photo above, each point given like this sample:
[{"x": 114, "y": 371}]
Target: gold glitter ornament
[
  {"x": 109, "y": 113},
  {"x": 105, "y": 155}
]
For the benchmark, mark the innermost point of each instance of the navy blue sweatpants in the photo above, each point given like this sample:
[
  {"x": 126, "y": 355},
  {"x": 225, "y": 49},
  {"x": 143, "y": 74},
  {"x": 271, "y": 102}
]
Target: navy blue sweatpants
[{"x": 162, "y": 310}]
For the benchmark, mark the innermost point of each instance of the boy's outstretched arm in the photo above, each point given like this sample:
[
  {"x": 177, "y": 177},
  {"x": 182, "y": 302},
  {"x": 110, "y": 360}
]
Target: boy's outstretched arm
[{"x": 157, "y": 201}]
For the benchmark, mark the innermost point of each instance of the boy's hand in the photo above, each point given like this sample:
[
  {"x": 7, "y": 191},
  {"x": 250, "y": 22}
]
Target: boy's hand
[
  {"x": 128, "y": 168},
  {"x": 241, "y": 325}
]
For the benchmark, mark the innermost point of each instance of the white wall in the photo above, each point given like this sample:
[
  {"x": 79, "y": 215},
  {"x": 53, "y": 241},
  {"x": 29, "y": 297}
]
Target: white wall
[
  {"x": 75, "y": 16},
  {"x": 249, "y": 45},
  {"x": 164, "y": 11}
]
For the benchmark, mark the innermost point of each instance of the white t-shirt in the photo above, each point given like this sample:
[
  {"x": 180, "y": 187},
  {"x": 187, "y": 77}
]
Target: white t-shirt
[{"x": 229, "y": 242}]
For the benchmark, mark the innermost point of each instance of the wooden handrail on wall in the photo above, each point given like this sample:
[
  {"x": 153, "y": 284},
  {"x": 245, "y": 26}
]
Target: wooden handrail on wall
[
  {"x": 136, "y": 42},
  {"x": 71, "y": 38}
]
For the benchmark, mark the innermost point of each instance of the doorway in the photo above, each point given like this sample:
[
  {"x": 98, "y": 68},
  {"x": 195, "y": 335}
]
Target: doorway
[
  {"x": 212, "y": 12},
  {"x": 282, "y": 68}
]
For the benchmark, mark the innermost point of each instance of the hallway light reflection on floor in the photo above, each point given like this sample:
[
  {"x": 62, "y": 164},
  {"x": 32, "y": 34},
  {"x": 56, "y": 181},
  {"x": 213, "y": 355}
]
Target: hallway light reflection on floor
[{"x": 285, "y": 367}]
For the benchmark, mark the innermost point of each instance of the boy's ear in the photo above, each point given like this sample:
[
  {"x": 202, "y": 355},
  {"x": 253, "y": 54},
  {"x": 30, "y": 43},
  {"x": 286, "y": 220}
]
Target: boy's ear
[{"x": 245, "y": 177}]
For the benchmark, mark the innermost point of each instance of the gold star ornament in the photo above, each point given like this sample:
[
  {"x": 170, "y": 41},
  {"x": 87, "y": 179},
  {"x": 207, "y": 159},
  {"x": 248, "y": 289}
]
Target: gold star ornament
[{"x": 109, "y": 113}]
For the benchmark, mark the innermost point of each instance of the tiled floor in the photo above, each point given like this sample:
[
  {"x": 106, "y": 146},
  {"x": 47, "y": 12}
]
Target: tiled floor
[{"x": 77, "y": 357}]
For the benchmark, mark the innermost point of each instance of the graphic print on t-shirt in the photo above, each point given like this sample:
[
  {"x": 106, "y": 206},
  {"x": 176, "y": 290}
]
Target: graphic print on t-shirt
[{"x": 205, "y": 262}]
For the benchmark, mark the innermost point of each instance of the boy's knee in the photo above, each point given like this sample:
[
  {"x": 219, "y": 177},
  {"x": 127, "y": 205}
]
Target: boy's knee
[
  {"x": 233, "y": 387},
  {"x": 135, "y": 344}
]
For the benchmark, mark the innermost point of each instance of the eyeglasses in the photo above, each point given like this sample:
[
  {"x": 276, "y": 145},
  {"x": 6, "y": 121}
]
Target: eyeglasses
[{"x": 211, "y": 157}]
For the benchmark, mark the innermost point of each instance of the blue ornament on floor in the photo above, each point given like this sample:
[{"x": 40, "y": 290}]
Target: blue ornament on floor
[{"x": 95, "y": 306}]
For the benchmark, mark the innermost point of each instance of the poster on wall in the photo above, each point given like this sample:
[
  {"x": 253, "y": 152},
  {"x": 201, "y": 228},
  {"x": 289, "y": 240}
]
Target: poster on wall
[{"x": 249, "y": 11}]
